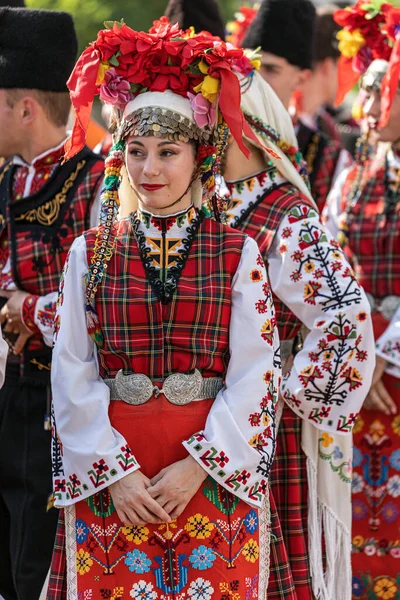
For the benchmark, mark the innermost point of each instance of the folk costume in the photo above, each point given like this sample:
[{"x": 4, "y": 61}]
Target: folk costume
[
  {"x": 287, "y": 29},
  {"x": 43, "y": 207},
  {"x": 166, "y": 370},
  {"x": 364, "y": 210},
  {"x": 314, "y": 289}
]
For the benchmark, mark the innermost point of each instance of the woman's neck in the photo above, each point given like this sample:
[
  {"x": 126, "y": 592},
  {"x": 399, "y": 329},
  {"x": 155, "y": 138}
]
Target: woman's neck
[
  {"x": 171, "y": 209},
  {"x": 238, "y": 167}
]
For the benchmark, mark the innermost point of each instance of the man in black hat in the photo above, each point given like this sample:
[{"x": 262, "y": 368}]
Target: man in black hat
[
  {"x": 285, "y": 30},
  {"x": 203, "y": 15},
  {"x": 44, "y": 206}
]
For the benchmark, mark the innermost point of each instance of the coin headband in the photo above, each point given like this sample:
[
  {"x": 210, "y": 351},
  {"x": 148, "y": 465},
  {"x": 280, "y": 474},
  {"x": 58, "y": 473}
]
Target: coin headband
[{"x": 163, "y": 123}]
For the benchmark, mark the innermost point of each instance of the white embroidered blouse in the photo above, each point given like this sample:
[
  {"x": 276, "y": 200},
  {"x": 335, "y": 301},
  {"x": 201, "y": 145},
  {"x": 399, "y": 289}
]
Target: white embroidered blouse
[{"x": 241, "y": 420}]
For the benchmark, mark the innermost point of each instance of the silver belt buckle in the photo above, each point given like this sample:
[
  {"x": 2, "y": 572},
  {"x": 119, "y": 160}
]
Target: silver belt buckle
[
  {"x": 182, "y": 388},
  {"x": 133, "y": 389},
  {"x": 388, "y": 306},
  {"x": 179, "y": 388}
]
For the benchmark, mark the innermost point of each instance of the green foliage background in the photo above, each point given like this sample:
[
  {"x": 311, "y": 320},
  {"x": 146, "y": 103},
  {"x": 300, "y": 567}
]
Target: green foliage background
[{"x": 89, "y": 15}]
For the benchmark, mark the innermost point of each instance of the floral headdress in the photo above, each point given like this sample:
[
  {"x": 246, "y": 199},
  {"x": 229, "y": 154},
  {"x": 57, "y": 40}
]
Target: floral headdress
[
  {"x": 238, "y": 28},
  {"x": 363, "y": 39},
  {"x": 168, "y": 83}
]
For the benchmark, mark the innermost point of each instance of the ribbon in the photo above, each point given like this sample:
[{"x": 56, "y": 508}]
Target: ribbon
[
  {"x": 390, "y": 84},
  {"x": 83, "y": 88},
  {"x": 229, "y": 105},
  {"x": 347, "y": 78}
]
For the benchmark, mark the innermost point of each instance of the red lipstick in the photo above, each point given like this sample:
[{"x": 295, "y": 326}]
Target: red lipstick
[{"x": 150, "y": 187}]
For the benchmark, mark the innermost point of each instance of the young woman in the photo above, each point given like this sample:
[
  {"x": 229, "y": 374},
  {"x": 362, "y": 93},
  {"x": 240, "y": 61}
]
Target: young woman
[
  {"x": 327, "y": 374},
  {"x": 164, "y": 414}
]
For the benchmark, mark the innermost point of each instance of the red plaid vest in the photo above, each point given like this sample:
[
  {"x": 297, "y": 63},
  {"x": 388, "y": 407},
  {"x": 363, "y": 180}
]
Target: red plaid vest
[
  {"x": 321, "y": 155},
  {"x": 372, "y": 231},
  {"x": 191, "y": 330},
  {"x": 261, "y": 222},
  {"x": 42, "y": 227}
]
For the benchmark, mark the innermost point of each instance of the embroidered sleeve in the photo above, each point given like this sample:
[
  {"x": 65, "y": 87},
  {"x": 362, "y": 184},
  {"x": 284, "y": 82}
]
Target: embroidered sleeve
[
  {"x": 332, "y": 373},
  {"x": 3, "y": 358},
  {"x": 237, "y": 445},
  {"x": 87, "y": 453},
  {"x": 38, "y": 313},
  {"x": 388, "y": 345}
]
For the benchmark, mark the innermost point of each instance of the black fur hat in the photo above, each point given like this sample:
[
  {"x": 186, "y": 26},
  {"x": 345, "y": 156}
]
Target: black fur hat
[
  {"x": 284, "y": 28},
  {"x": 37, "y": 49},
  {"x": 203, "y": 15}
]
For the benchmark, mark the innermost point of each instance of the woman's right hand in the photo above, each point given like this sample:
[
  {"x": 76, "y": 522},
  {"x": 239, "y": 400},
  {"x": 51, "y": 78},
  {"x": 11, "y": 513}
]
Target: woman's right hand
[{"x": 133, "y": 503}]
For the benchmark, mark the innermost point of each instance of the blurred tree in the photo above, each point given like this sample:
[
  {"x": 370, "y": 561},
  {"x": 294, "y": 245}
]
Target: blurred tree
[{"x": 89, "y": 15}]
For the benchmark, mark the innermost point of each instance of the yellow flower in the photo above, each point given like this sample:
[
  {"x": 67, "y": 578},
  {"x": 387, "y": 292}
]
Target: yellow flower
[
  {"x": 337, "y": 255},
  {"x": 209, "y": 88},
  {"x": 327, "y": 440},
  {"x": 199, "y": 526},
  {"x": 83, "y": 562},
  {"x": 385, "y": 588},
  {"x": 350, "y": 42},
  {"x": 328, "y": 355},
  {"x": 359, "y": 425},
  {"x": 136, "y": 534},
  {"x": 309, "y": 267},
  {"x": 251, "y": 551},
  {"x": 396, "y": 425},
  {"x": 203, "y": 66},
  {"x": 103, "y": 67},
  {"x": 377, "y": 430},
  {"x": 358, "y": 541},
  {"x": 117, "y": 593},
  {"x": 256, "y": 63},
  {"x": 266, "y": 420}
]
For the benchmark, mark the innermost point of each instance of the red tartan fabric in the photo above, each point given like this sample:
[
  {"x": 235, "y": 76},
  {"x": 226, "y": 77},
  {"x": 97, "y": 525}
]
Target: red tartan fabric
[
  {"x": 57, "y": 589},
  {"x": 371, "y": 232},
  {"x": 290, "y": 491},
  {"x": 262, "y": 223},
  {"x": 160, "y": 350},
  {"x": 289, "y": 571}
]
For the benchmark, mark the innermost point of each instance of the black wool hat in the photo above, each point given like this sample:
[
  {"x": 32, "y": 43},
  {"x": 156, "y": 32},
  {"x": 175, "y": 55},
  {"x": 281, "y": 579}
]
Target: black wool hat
[
  {"x": 203, "y": 15},
  {"x": 285, "y": 28},
  {"x": 38, "y": 49}
]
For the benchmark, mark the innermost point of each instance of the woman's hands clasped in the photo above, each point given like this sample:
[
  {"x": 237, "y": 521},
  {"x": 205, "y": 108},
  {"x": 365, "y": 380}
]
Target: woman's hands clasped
[
  {"x": 139, "y": 500},
  {"x": 133, "y": 503},
  {"x": 175, "y": 486}
]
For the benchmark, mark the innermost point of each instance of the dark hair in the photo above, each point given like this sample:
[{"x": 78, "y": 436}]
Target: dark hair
[
  {"x": 56, "y": 105},
  {"x": 326, "y": 44}
]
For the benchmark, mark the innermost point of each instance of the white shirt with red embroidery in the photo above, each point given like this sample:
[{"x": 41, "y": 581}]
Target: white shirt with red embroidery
[
  {"x": 331, "y": 374},
  {"x": 240, "y": 428}
]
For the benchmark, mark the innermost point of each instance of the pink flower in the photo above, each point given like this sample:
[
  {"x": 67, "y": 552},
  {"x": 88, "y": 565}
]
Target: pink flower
[
  {"x": 115, "y": 90},
  {"x": 204, "y": 112},
  {"x": 362, "y": 60},
  {"x": 243, "y": 66}
]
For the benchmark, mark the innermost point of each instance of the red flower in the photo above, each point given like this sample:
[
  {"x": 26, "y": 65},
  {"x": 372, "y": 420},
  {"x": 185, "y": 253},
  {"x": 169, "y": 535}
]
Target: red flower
[
  {"x": 393, "y": 22},
  {"x": 163, "y": 29}
]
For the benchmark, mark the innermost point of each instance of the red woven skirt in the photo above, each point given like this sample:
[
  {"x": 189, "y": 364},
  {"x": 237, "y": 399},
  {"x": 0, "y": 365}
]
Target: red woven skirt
[
  {"x": 213, "y": 550},
  {"x": 376, "y": 498}
]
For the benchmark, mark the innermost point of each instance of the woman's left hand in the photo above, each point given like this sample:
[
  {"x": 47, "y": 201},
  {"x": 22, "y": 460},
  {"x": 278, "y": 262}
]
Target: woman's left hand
[{"x": 175, "y": 486}]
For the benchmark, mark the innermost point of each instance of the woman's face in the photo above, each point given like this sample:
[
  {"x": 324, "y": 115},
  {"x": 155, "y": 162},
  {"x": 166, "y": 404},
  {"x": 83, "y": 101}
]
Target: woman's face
[
  {"x": 160, "y": 172},
  {"x": 372, "y": 110}
]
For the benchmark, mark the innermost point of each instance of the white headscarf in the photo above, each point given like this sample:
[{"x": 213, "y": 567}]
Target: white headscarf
[{"x": 261, "y": 101}]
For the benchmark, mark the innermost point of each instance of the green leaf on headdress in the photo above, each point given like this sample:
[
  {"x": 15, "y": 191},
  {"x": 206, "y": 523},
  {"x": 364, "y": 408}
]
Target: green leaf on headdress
[
  {"x": 194, "y": 69},
  {"x": 110, "y": 24},
  {"x": 114, "y": 61},
  {"x": 135, "y": 88}
]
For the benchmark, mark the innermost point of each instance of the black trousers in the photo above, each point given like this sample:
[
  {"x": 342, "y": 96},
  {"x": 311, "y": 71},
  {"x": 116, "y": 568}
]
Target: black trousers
[{"x": 27, "y": 531}]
